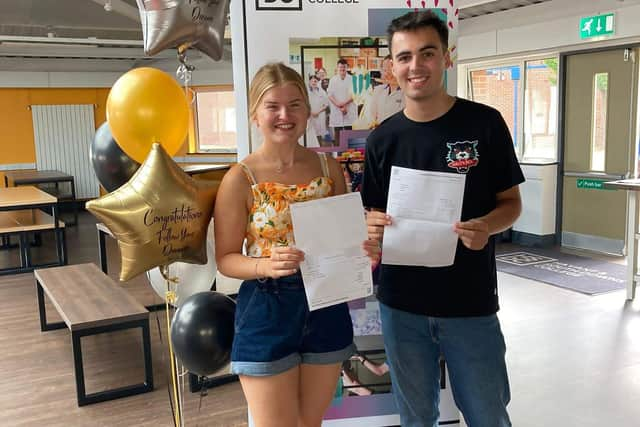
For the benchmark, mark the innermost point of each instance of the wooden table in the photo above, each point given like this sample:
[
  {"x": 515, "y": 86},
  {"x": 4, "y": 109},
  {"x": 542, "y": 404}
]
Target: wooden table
[
  {"x": 631, "y": 186},
  {"x": 200, "y": 169},
  {"x": 18, "y": 178},
  {"x": 91, "y": 303},
  {"x": 19, "y": 215}
]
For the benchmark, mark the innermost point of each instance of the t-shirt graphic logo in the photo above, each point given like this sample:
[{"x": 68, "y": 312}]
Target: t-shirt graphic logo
[{"x": 462, "y": 156}]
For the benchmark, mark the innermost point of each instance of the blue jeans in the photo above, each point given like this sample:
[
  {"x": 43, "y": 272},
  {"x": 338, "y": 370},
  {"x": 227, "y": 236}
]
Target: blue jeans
[{"x": 474, "y": 350}]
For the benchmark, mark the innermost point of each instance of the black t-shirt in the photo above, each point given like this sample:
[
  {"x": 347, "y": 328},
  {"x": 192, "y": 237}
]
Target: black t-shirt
[{"x": 470, "y": 138}]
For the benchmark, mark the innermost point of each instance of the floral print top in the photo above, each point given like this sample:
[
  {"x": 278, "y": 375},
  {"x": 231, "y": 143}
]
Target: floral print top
[{"x": 269, "y": 222}]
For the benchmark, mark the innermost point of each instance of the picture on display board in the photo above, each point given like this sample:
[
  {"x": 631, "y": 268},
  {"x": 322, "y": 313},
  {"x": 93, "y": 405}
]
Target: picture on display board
[
  {"x": 365, "y": 372},
  {"x": 352, "y": 159},
  {"x": 351, "y": 62},
  {"x": 364, "y": 375},
  {"x": 375, "y": 64},
  {"x": 349, "y": 46},
  {"x": 351, "y": 82}
]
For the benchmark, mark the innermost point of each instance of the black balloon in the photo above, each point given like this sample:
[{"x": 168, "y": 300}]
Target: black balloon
[
  {"x": 112, "y": 165},
  {"x": 202, "y": 332}
]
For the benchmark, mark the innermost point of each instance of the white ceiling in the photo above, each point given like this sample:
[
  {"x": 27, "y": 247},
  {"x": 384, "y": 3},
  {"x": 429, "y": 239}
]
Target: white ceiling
[
  {"x": 486, "y": 8},
  {"x": 79, "y": 35},
  {"x": 65, "y": 21}
]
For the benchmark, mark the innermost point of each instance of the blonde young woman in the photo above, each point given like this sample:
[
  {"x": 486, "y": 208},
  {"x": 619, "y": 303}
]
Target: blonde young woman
[{"x": 288, "y": 358}]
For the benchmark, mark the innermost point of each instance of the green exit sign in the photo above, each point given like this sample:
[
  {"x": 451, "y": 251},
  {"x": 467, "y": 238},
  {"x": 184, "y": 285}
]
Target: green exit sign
[
  {"x": 595, "y": 26},
  {"x": 590, "y": 184}
]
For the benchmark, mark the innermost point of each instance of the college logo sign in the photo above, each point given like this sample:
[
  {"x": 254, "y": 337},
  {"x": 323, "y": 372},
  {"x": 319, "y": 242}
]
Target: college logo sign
[{"x": 278, "y": 4}]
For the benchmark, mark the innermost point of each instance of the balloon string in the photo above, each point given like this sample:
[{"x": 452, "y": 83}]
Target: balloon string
[
  {"x": 181, "y": 380},
  {"x": 185, "y": 72},
  {"x": 203, "y": 390},
  {"x": 173, "y": 361},
  {"x": 164, "y": 272},
  {"x": 163, "y": 359}
]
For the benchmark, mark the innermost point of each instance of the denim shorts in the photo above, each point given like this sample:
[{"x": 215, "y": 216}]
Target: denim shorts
[{"x": 275, "y": 331}]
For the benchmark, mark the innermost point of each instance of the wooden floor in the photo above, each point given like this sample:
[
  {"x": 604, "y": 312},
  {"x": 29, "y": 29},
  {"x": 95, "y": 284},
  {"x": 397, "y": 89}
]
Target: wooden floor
[
  {"x": 573, "y": 359},
  {"x": 37, "y": 386}
]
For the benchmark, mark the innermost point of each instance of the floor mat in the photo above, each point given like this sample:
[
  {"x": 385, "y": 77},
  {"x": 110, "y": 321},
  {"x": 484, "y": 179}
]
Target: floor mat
[{"x": 577, "y": 273}]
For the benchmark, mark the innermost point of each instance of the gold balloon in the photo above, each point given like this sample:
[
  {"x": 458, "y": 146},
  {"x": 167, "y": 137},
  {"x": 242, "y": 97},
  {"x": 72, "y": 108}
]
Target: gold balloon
[
  {"x": 146, "y": 106},
  {"x": 160, "y": 216}
]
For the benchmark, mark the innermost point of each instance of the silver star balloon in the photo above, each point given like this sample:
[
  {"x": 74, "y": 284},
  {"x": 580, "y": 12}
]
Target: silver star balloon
[{"x": 183, "y": 24}]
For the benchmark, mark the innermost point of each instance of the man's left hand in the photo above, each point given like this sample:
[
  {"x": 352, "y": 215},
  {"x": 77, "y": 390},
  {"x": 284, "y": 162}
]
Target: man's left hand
[{"x": 473, "y": 233}]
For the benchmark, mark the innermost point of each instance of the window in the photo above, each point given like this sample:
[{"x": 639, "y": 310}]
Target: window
[
  {"x": 527, "y": 101},
  {"x": 541, "y": 109},
  {"x": 215, "y": 120},
  {"x": 599, "y": 121},
  {"x": 499, "y": 87}
]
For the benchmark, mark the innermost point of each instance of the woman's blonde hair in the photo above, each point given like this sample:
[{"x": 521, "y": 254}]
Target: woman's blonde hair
[{"x": 269, "y": 76}]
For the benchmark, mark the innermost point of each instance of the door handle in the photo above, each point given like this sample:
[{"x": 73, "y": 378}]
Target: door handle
[{"x": 596, "y": 175}]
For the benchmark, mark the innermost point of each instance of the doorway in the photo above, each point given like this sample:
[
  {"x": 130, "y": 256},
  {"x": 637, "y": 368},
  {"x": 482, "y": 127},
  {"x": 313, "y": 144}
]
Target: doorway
[{"x": 599, "y": 145}]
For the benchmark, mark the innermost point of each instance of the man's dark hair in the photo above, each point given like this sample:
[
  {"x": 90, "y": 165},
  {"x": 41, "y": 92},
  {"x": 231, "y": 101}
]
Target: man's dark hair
[
  {"x": 342, "y": 61},
  {"x": 413, "y": 21}
]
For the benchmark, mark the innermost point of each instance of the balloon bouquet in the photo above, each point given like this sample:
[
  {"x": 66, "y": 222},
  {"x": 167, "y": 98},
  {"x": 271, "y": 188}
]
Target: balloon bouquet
[{"x": 160, "y": 216}]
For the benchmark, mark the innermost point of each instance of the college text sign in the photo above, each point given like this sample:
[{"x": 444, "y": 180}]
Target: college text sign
[{"x": 278, "y": 4}]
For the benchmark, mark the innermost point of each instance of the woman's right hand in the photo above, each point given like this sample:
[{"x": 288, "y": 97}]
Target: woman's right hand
[{"x": 284, "y": 261}]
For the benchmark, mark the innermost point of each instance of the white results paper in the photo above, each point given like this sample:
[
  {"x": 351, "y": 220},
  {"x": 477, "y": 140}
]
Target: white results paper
[
  {"x": 330, "y": 231},
  {"x": 424, "y": 207}
]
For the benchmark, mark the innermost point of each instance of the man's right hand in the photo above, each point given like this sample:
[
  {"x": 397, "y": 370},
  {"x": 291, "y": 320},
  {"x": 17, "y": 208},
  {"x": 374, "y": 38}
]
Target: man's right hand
[{"x": 376, "y": 221}]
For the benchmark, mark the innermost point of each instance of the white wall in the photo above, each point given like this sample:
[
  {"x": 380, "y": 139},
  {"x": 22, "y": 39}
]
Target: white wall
[
  {"x": 551, "y": 25},
  {"x": 218, "y": 73}
]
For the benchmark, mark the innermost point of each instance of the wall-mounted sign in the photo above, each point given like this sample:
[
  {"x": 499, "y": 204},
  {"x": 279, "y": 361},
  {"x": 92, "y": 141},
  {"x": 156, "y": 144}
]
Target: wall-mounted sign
[{"x": 595, "y": 26}]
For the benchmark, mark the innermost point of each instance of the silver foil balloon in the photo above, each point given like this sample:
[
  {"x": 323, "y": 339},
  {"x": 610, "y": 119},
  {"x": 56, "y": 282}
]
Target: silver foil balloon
[{"x": 183, "y": 24}]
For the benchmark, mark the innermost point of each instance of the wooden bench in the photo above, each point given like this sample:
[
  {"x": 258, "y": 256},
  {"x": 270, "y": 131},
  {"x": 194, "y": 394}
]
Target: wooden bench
[
  {"x": 21, "y": 223},
  {"x": 91, "y": 303}
]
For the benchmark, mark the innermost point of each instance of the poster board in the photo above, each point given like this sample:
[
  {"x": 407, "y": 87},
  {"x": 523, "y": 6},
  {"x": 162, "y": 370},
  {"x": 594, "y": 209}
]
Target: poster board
[
  {"x": 321, "y": 28},
  {"x": 307, "y": 21}
]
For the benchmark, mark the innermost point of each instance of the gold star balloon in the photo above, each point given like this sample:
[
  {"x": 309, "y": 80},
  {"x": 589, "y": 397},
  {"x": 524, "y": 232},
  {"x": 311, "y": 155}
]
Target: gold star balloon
[{"x": 160, "y": 216}]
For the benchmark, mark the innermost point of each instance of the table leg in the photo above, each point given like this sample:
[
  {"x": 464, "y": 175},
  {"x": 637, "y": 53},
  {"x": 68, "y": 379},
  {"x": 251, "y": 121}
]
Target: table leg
[
  {"x": 632, "y": 243},
  {"x": 102, "y": 251},
  {"x": 61, "y": 244},
  {"x": 6, "y": 243},
  {"x": 75, "y": 203},
  {"x": 25, "y": 250},
  {"x": 44, "y": 326},
  {"x": 129, "y": 390}
]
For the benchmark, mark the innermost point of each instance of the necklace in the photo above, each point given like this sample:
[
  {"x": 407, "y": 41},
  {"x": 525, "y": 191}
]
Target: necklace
[{"x": 280, "y": 166}]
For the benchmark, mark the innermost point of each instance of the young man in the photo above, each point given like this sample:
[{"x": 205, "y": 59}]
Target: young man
[
  {"x": 387, "y": 98},
  {"x": 342, "y": 110},
  {"x": 449, "y": 311}
]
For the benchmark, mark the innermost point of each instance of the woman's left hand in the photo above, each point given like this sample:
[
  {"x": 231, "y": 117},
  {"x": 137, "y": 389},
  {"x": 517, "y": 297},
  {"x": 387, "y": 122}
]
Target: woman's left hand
[{"x": 372, "y": 249}]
